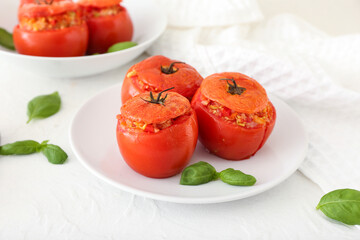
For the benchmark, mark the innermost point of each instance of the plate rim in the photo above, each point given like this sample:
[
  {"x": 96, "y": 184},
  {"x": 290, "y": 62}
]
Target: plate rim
[{"x": 186, "y": 200}]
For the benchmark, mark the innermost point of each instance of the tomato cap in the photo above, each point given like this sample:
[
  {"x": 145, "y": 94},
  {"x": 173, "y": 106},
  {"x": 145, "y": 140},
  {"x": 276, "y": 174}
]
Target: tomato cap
[
  {"x": 183, "y": 79},
  {"x": 22, "y": 2},
  {"x": 33, "y": 10},
  {"x": 139, "y": 110},
  {"x": 253, "y": 99},
  {"x": 99, "y": 3}
]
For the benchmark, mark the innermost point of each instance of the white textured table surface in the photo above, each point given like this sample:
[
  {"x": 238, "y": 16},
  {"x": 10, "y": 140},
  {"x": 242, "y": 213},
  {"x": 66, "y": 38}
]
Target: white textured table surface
[{"x": 43, "y": 201}]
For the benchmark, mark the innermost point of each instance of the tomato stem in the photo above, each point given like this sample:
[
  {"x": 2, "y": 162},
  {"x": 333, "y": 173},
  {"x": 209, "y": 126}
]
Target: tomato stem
[
  {"x": 158, "y": 100},
  {"x": 170, "y": 69},
  {"x": 39, "y": 2},
  {"x": 233, "y": 88}
]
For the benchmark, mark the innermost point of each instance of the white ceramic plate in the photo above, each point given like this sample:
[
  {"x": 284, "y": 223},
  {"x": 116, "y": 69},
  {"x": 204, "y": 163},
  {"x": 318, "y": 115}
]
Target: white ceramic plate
[
  {"x": 149, "y": 23},
  {"x": 93, "y": 139}
]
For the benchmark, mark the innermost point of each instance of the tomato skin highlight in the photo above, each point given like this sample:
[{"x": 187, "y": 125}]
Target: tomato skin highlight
[
  {"x": 225, "y": 139},
  {"x": 128, "y": 89},
  {"x": 162, "y": 154},
  {"x": 105, "y": 31},
  {"x": 67, "y": 42}
]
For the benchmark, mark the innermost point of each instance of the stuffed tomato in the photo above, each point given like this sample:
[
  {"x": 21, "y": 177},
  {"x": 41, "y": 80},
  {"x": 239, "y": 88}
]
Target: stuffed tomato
[
  {"x": 158, "y": 73},
  {"x": 50, "y": 29},
  {"x": 157, "y": 134},
  {"x": 108, "y": 23},
  {"x": 235, "y": 115}
]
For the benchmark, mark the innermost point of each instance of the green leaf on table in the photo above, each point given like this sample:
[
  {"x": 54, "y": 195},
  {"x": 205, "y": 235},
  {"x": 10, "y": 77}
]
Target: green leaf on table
[
  {"x": 198, "y": 173},
  {"x": 121, "y": 46},
  {"x": 6, "y": 39},
  {"x": 54, "y": 154},
  {"x": 342, "y": 205},
  {"x": 42, "y": 145},
  {"x": 236, "y": 177},
  {"x": 43, "y": 106},
  {"x": 19, "y": 148}
]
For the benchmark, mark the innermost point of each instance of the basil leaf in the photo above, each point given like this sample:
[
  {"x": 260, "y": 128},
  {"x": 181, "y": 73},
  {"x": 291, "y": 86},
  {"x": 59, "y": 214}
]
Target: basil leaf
[
  {"x": 198, "y": 173},
  {"x": 44, "y": 143},
  {"x": 44, "y": 106},
  {"x": 342, "y": 205},
  {"x": 6, "y": 39},
  {"x": 19, "y": 148},
  {"x": 54, "y": 154},
  {"x": 121, "y": 46},
  {"x": 236, "y": 177},
  {"x": 42, "y": 146}
]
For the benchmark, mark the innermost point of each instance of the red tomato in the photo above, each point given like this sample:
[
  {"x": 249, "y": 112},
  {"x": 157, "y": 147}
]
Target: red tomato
[
  {"x": 157, "y": 140},
  {"x": 233, "y": 124},
  {"x": 67, "y": 42},
  {"x": 158, "y": 73},
  {"x": 51, "y": 30},
  {"x": 108, "y": 23}
]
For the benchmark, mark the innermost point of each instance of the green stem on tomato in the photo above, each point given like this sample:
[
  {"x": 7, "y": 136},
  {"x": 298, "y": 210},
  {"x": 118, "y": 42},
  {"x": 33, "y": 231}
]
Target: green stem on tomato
[
  {"x": 158, "y": 100},
  {"x": 233, "y": 88},
  {"x": 170, "y": 69}
]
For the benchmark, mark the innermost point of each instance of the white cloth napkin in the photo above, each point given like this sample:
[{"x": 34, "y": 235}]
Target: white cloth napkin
[{"x": 293, "y": 60}]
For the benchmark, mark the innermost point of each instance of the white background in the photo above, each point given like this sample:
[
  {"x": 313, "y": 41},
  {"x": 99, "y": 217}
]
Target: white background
[{"x": 331, "y": 16}]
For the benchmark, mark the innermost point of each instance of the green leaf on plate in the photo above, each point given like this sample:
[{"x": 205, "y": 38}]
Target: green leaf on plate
[
  {"x": 236, "y": 177},
  {"x": 121, "y": 46},
  {"x": 198, "y": 173},
  {"x": 6, "y": 39}
]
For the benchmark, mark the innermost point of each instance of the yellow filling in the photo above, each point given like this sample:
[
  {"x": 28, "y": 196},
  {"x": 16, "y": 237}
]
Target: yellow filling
[
  {"x": 55, "y": 22},
  {"x": 241, "y": 119}
]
